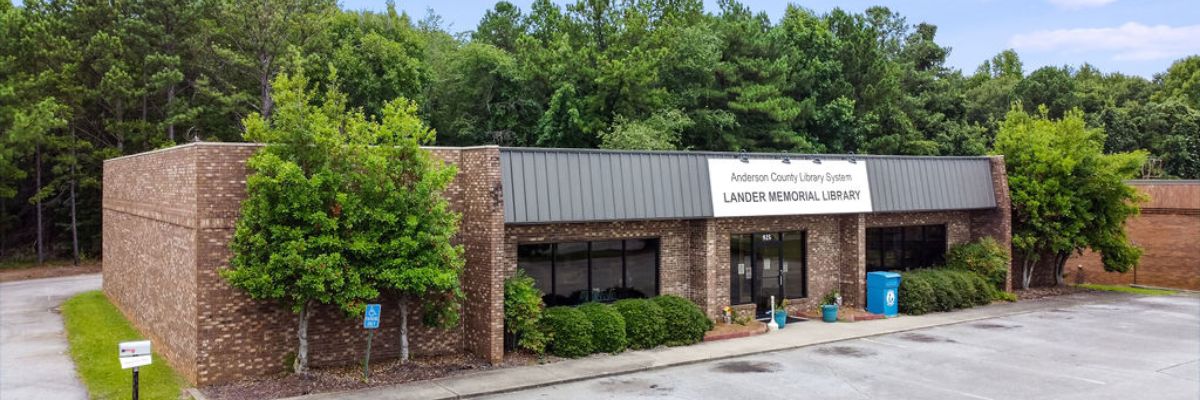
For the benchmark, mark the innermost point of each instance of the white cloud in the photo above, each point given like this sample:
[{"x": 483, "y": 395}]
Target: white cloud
[
  {"x": 1131, "y": 41},
  {"x": 1079, "y": 4}
]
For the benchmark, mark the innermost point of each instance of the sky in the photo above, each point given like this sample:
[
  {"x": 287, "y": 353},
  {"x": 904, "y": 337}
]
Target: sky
[{"x": 1131, "y": 37}]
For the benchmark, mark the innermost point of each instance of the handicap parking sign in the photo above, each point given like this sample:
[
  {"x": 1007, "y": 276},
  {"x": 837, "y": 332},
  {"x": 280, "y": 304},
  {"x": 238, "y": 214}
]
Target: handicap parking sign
[{"x": 371, "y": 317}]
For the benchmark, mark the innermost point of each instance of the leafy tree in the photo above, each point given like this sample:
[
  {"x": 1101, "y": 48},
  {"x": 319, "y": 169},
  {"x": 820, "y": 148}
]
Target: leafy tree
[
  {"x": 291, "y": 243},
  {"x": 1066, "y": 194},
  {"x": 659, "y": 132},
  {"x": 399, "y": 224},
  {"x": 501, "y": 26},
  {"x": 1181, "y": 81},
  {"x": 1049, "y": 86}
]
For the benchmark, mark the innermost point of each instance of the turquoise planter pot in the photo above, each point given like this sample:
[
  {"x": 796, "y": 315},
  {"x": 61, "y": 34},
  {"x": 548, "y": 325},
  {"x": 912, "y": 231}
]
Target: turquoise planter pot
[
  {"x": 829, "y": 313},
  {"x": 781, "y": 318}
]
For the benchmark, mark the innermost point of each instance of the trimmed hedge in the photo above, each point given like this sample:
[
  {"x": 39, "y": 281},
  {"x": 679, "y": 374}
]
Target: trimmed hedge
[
  {"x": 570, "y": 332},
  {"x": 916, "y": 294},
  {"x": 686, "y": 324},
  {"x": 608, "y": 327},
  {"x": 927, "y": 290},
  {"x": 985, "y": 257},
  {"x": 645, "y": 324}
]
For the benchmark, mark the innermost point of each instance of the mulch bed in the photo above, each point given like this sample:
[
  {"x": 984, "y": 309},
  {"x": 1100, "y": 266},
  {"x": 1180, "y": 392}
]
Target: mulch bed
[
  {"x": 733, "y": 331},
  {"x": 52, "y": 269},
  {"x": 349, "y": 377},
  {"x": 1044, "y": 292},
  {"x": 845, "y": 315}
]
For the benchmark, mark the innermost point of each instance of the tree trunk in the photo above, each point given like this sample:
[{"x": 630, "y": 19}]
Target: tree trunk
[
  {"x": 403, "y": 329},
  {"x": 1028, "y": 262},
  {"x": 1060, "y": 262},
  {"x": 264, "y": 82},
  {"x": 41, "y": 238},
  {"x": 170, "y": 101},
  {"x": 301, "y": 364},
  {"x": 74, "y": 221}
]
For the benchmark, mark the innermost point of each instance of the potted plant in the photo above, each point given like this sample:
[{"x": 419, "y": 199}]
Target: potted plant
[
  {"x": 727, "y": 312},
  {"x": 829, "y": 306},
  {"x": 781, "y": 313}
]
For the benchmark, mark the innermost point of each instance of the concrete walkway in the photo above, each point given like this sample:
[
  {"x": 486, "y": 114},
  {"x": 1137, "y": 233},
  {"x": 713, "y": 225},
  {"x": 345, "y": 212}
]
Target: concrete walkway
[
  {"x": 597, "y": 366},
  {"x": 34, "y": 363}
]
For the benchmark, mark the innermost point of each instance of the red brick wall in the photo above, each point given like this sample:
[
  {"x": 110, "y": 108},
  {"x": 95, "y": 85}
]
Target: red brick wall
[
  {"x": 149, "y": 236},
  {"x": 209, "y": 331},
  {"x": 1168, "y": 231},
  {"x": 997, "y": 222}
]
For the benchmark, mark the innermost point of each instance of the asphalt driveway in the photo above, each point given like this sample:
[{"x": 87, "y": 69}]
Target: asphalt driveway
[
  {"x": 1138, "y": 347},
  {"x": 34, "y": 363}
]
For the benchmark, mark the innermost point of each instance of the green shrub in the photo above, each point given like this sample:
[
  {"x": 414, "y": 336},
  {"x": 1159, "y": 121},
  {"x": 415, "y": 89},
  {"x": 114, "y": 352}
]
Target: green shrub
[
  {"x": 916, "y": 294},
  {"x": 645, "y": 325},
  {"x": 570, "y": 332},
  {"x": 945, "y": 294},
  {"x": 608, "y": 327},
  {"x": 523, "y": 312},
  {"x": 985, "y": 257},
  {"x": 984, "y": 292},
  {"x": 961, "y": 281},
  {"x": 685, "y": 322}
]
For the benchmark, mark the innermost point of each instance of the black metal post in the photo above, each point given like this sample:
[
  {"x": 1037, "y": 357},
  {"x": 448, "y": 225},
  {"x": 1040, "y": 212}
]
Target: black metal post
[
  {"x": 367, "y": 360},
  {"x": 135, "y": 383}
]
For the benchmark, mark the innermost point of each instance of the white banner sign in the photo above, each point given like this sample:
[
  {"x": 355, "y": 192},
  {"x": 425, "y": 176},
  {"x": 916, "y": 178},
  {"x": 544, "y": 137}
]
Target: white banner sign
[{"x": 771, "y": 187}]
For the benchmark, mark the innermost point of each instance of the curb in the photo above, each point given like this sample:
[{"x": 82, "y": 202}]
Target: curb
[
  {"x": 456, "y": 395},
  {"x": 1164, "y": 288},
  {"x": 195, "y": 394}
]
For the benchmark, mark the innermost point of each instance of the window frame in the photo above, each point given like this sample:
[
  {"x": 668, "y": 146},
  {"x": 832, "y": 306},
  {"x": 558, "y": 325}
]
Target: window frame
[
  {"x": 554, "y": 255},
  {"x": 888, "y": 235}
]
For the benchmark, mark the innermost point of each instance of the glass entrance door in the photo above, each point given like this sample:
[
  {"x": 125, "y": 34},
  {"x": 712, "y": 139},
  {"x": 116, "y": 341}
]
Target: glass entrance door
[
  {"x": 766, "y": 267},
  {"x": 767, "y": 264}
]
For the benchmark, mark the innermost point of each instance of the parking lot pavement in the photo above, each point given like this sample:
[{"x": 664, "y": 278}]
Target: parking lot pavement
[
  {"x": 1140, "y": 347},
  {"x": 34, "y": 363}
]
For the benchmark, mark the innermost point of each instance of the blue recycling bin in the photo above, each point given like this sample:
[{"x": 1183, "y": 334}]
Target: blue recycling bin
[{"x": 883, "y": 293}]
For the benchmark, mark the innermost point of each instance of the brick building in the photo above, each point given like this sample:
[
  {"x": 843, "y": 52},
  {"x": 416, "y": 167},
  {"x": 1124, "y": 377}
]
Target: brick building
[
  {"x": 718, "y": 228},
  {"x": 1167, "y": 230}
]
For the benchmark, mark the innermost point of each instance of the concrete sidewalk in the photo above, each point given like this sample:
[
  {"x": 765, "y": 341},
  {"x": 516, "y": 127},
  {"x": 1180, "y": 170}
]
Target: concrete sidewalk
[{"x": 794, "y": 336}]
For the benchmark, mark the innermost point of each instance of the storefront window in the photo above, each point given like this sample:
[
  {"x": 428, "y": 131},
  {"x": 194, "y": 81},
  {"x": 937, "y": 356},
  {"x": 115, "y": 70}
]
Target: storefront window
[
  {"x": 641, "y": 267},
  {"x": 571, "y": 272},
  {"x": 577, "y": 272},
  {"x": 537, "y": 260},
  {"x": 607, "y": 270},
  {"x": 905, "y": 248}
]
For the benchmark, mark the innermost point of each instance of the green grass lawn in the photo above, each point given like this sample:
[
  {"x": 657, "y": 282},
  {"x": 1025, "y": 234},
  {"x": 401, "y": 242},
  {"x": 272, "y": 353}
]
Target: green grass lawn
[
  {"x": 1127, "y": 289},
  {"x": 94, "y": 327}
]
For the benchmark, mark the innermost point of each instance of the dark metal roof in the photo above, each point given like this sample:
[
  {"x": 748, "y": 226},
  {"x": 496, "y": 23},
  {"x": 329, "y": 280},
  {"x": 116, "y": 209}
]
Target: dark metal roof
[{"x": 578, "y": 185}]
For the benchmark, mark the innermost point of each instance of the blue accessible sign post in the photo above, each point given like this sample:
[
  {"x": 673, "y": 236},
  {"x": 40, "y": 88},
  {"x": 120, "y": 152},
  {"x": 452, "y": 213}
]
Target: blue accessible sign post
[{"x": 370, "y": 323}]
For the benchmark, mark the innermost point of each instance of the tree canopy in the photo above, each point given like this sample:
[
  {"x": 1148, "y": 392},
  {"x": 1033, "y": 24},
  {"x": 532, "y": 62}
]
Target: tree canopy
[
  {"x": 84, "y": 81},
  {"x": 1067, "y": 195}
]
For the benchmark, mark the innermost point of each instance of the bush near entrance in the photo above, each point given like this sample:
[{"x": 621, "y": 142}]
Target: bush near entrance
[
  {"x": 608, "y": 327},
  {"x": 94, "y": 328},
  {"x": 686, "y": 324},
  {"x": 645, "y": 323},
  {"x": 523, "y": 309},
  {"x": 940, "y": 289},
  {"x": 985, "y": 257},
  {"x": 570, "y": 332}
]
